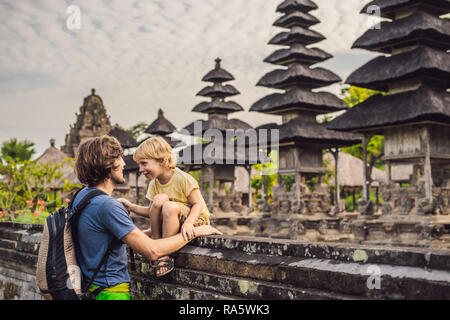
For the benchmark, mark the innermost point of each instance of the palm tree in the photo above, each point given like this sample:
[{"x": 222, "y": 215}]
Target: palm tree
[{"x": 21, "y": 150}]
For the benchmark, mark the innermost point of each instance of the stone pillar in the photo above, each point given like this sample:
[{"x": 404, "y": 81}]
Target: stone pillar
[
  {"x": 337, "y": 196},
  {"x": 365, "y": 141},
  {"x": 427, "y": 165}
]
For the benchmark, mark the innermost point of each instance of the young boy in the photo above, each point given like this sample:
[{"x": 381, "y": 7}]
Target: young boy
[{"x": 175, "y": 198}]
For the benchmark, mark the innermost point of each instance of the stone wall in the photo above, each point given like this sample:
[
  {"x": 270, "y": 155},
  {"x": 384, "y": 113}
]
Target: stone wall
[{"x": 233, "y": 267}]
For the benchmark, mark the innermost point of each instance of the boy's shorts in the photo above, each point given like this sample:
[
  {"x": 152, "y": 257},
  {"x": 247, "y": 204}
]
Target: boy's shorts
[{"x": 184, "y": 213}]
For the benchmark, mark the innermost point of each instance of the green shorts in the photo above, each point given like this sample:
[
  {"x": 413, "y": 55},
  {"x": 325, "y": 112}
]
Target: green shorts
[{"x": 119, "y": 292}]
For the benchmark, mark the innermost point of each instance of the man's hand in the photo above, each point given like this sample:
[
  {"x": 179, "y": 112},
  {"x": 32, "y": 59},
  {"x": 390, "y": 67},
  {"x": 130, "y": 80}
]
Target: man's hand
[
  {"x": 206, "y": 230},
  {"x": 188, "y": 231}
]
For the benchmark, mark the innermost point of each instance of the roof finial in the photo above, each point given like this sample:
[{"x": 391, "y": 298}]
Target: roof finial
[
  {"x": 93, "y": 91},
  {"x": 160, "y": 113},
  {"x": 52, "y": 142},
  {"x": 218, "y": 61}
]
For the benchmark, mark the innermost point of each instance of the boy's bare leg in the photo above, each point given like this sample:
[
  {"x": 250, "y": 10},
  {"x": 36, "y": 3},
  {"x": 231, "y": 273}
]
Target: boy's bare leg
[
  {"x": 156, "y": 221},
  {"x": 170, "y": 225}
]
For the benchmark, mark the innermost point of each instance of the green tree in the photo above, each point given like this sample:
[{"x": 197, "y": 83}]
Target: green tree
[
  {"x": 375, "y": 147},
  {"x": 18, "y": 150}
]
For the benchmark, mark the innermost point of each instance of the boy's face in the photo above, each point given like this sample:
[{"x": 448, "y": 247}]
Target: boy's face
[{"x": 150, "y": 168}]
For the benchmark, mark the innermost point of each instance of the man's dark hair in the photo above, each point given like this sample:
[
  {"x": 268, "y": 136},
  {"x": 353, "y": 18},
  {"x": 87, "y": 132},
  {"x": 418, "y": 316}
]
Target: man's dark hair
[{"x": 95, "y": 158}]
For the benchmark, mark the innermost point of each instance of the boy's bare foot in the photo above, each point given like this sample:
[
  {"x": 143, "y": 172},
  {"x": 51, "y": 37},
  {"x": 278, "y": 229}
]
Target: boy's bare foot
[
  {"x": 206, "y": 230},
  {"x": 164, "y": 265}
]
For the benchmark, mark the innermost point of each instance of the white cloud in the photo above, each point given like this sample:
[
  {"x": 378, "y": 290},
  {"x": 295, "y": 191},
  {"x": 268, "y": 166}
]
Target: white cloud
[{"x": 141, "y": 56}]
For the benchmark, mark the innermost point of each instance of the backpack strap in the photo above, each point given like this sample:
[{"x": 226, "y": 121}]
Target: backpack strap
[{"x": 76, "y": 213}]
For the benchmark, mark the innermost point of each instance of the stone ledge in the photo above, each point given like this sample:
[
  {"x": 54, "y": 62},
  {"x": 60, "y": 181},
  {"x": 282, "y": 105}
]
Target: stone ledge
[{"x": 369, "y": 254}]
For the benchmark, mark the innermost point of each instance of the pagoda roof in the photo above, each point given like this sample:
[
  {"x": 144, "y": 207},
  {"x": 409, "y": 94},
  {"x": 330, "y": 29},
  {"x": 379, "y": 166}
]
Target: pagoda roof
[
  {"x": 125, "y": 138},
  {"x": 130, "y": 164},
  {"x": 298, "y": 75},
  {"x": 225, "y": 156},
  {"x": 311, "y": 132},
  {"x": 293, "y": 5},
  {"x": 390, "y": 7},
  {"x": 299, "y": 99},
  {"x": 298, "y": 53},
  {"x": 219, "y": 123},
  {"x": 161, "y": 126},
  {"x": 296, "y": 18},
  {"x": 297, "y": 34},
  {"x": 218, "y": 90},
  {"x": 421, "y": 62},
  {"x": 52, "y": 155},
  {"x": 218, "y": 74},
  {"x": 418, "y": 28},
  {"x": 423, "y": 104},
  {"x": 218, "y": 106}
]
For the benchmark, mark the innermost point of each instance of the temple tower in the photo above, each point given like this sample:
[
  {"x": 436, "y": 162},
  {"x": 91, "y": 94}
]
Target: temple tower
[{"x": 414, "y": 116}]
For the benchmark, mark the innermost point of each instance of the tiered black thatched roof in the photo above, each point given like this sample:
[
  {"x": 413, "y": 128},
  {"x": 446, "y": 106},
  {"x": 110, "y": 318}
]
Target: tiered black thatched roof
[
  {"x": 296, "y": 5},
  {"x": 420, "y": 28},
  {"x": 298, "y": 80},
  {"x": 218, "y": 109},
  {"x": 426, "y": 63},
  {"x": 298, "y": 75},
  {"x": 424, "y": 104},
  {"x": 390, "y": 7},
  {"x": 418, "y": 62},
  {"x": 125, "y": 138},
  {"x": 161, "y": 126},
  {"x": 298, "y": 53},
  {"x": 299, "y": 99}
]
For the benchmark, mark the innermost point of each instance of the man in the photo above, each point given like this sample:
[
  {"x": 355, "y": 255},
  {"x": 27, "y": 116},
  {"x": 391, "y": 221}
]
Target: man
[{"x": 99, "y": 165}]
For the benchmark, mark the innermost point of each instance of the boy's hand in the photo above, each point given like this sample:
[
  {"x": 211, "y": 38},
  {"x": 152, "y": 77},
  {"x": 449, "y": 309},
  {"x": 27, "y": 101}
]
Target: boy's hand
[
  {"x": 126, "y": 203},
  {"x": 206, "y": 230},
  {"x": 188, "y": 231}
]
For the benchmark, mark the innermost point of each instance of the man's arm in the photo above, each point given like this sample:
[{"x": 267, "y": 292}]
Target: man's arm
[{"x": 153, "y": 249}]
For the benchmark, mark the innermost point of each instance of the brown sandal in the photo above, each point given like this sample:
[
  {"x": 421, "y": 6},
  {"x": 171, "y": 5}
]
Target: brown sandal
[{"x": 164, "y": 263}]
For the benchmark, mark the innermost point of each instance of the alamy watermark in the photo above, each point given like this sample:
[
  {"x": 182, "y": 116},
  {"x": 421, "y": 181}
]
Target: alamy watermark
[
  {"x": 236, "y": 146},
  {"x": 374, "y": 20},
  {"x": 73, "y": 22}
]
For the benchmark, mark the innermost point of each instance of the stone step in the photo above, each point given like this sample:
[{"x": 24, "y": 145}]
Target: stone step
[
  {"x": 245, "y": 288},
  {"x": 370, "y": 254},
  {"x": 348, "y": 278},
  {"x": 152, "y": 288}
]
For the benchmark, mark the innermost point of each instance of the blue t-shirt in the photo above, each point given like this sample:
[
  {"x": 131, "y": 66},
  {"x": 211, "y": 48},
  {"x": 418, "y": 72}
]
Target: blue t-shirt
[{"x": 103, "y": 218}]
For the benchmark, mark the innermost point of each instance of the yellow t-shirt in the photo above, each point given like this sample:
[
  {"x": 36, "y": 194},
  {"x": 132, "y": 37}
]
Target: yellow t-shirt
[{"x": 178, "y": 189}]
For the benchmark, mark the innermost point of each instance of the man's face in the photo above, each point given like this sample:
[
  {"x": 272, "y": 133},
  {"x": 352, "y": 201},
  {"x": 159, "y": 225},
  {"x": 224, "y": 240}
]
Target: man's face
[
  {"x": 117, "y": 171},
  {"x": 150, "y": 168}
]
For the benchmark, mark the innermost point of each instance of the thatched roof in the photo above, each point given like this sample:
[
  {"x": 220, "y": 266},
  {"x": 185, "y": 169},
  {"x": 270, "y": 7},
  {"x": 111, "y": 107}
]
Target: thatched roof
[
  {"x": 298, "y": 53},
  {"x": 296, "y": 18},
  {"x": 418, "y": 28},
  {"x": 422, "y": 63},
  {"x": 53, "y": 155},
  {"x": 299, "y": 99},
  {"x": 218, "y": 74},
  {"x": 217, "y": 106},
  {"x": 219, "y": 123},
  {"x": 297, "y": 35},
  {"x": 312, "y": 132},
  {"x": 309, "y": 132},
  {"x": 300, "y": 5},
  {"x": 218, "y": 90},
  {"x": 130, "y": 164},
  {"x": 161, "y": 126},
  {"x": 350, "y": 171},
  {"x": 125, "y": 138},
  {"x": 298, "y": 75},
  {"x": 206, "y": 153},
  {"x": 425, "y": 103},
  {"x": 390, "y": 7}
]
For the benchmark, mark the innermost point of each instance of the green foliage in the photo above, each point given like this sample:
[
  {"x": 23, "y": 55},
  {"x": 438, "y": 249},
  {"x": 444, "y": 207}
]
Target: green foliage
[
  {"x": 375, "y": 148},
  {"x": 138, "y": 129},
  {"x": 269, "y": 174},
  {"x": 17, "y": 150},
  {"x": 28, "y": 190}
]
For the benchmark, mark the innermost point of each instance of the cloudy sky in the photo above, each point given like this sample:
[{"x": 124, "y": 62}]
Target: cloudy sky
[{"x": 145, "y": 55}]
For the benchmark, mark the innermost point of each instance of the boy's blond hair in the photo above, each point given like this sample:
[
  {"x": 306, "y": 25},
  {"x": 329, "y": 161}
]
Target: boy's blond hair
[{"x": 156, "y": 148}]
